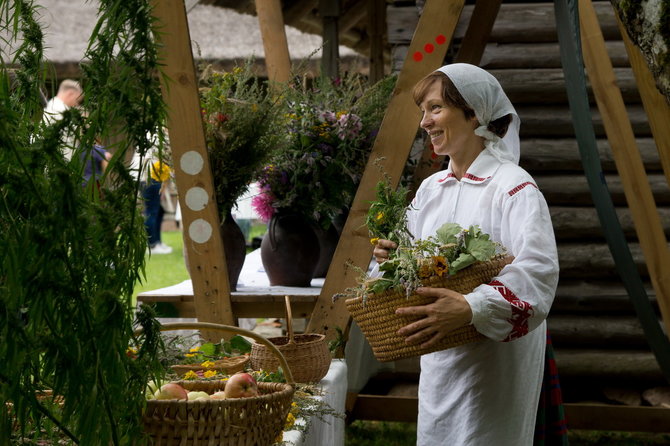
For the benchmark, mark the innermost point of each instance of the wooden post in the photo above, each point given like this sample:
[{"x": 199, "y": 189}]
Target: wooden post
[
  {"x": 626, "y": 156},
  {"x": 202, "y": 237},
  {"x": 655, "y": 104},
  {"x": 275, "y": 45},
  {"x": 472, "y": 48},
  {"x": 330, "y": 13},
  {"x": 394, "y": 140},
  {"x": 377, "y": 29}
]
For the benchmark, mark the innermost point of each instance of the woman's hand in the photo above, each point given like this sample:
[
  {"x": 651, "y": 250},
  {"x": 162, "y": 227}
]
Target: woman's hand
[
  {"x": 449, "y": 312},
  {"x": 382, "y": 248}
]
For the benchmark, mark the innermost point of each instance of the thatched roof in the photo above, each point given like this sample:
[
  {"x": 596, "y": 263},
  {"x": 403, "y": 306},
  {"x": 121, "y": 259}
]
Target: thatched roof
[{"x": 218, "y": 34}]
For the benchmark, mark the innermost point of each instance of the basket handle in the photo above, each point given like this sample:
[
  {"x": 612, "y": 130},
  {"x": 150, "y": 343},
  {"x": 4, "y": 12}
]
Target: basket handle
[
  {"x": 289, "y": 319},
  {"x": 231, "y": 330}
]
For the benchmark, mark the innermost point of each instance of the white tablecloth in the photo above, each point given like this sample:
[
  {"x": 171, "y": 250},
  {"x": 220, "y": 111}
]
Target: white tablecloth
[{"x": 330, "y": 431}]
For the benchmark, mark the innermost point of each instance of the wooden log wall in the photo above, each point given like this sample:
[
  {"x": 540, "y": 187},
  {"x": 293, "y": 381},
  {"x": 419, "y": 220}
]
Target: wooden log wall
[{"x": 598, "y": 340}]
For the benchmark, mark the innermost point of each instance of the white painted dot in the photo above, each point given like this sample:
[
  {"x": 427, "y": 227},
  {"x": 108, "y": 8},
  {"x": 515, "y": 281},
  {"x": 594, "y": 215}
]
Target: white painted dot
[
  {"x": 200, "y": 231},
  {"x": 191, "y": 162},
  {"x": 196, "y": 198}
]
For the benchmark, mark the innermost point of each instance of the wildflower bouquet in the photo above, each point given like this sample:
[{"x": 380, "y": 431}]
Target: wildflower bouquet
[
  {"x": 329, "y": 129},
  {"x": 240, "y": 121}
]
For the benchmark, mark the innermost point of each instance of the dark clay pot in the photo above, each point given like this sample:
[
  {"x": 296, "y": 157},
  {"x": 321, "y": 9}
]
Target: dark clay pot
[
  {"x": 290, "y": 250},
  {"x": 235, "y": 250},
  {"x": 235, "y": 247},
  {"x": 328, "y": 239}
]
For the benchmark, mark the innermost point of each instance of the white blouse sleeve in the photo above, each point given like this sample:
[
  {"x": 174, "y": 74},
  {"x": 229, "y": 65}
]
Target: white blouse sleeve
[{"x": 519, "y": 298}]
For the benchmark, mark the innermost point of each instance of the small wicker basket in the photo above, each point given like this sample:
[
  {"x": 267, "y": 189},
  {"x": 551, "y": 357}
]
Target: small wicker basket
[
  {"x": 379, "y": 323},
  {"x": 307, "y": 354},
  {"x": 229, "y": 422}
]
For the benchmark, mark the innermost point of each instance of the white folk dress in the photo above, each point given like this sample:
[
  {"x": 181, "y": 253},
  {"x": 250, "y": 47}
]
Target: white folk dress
[{"x": 486, "y": 393}]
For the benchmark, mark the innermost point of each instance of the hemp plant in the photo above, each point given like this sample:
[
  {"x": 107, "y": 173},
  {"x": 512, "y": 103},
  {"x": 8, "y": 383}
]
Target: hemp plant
[{"x": 71, "y": 255}]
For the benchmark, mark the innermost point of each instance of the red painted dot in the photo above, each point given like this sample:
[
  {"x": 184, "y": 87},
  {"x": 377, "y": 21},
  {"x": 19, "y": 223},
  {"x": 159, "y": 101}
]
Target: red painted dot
[
  {"x": 440, "y": 39},
  {"x": 428, "y": 48},
  {"x": 418, "y": 56}
]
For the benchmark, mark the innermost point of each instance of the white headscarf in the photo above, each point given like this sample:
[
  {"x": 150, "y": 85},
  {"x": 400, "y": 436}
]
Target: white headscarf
[{"x": 484, "y": 94}]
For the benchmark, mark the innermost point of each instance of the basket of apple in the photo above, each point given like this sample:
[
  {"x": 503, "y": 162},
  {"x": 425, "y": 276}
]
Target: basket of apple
[{"x": 235, "y": 411}]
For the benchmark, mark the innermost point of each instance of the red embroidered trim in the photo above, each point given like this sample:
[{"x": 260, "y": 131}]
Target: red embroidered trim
[
  {"x": 469, "y": 176},
  {"x": 521, "y": 186},
  {"x": 449, "y": 175},
  {"x": 521, "y": 311}
]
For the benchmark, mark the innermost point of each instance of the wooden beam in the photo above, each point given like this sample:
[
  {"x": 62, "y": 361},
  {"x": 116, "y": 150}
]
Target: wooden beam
[
  {"x": 275, "y": 45},
  {"x": 629, "y": 163},
  {"x": 376, "y": 10},
  {"x": 202, "y": 237},
  {"x": 295, "y": 12},
  {"x": 478, "y": 31},
  {"x": 392, "y": 144},
  {"x": 655, "y": 104},
  {"x": 330, "y": 16},
  {"x": 617, "y": 418},
  {"x": 593, "y": 416},
  {"x": 354, "y": 13}
]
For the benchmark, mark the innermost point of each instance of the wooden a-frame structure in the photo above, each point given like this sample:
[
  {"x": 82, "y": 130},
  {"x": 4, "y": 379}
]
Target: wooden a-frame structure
[{"x": 212, "y": 296}]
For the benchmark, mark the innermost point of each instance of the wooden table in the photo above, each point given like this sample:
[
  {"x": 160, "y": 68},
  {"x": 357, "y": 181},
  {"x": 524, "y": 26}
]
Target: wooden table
[{"x": 254, "y": 298}]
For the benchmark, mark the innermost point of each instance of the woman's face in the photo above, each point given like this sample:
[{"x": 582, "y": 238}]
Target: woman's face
[{"x": 449, "y": 130}]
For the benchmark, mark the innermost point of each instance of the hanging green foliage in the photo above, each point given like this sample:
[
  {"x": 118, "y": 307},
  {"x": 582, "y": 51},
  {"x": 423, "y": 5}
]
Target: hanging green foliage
[{"x": 70, "y": 255}]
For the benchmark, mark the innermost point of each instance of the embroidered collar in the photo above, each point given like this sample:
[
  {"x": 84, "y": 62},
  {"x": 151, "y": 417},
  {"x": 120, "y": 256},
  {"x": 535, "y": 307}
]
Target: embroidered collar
[{"x": 481, "y": 170}]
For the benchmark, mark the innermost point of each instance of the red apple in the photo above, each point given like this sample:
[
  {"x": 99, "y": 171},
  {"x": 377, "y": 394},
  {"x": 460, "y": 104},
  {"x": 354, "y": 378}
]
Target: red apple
[
  {"x": 241, "y": 385},
  {"x": 220, "y": 395},
  {"x": 171, "y": 391}
]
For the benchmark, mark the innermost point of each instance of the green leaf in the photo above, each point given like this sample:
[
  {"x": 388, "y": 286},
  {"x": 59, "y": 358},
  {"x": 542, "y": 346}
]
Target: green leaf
[
  {"x": 447, "y": 233},
  {"x": 481, "y": 248},
  {"x": 208, "y": 349},
  {"x": 463, "y": 260},
  {"x": 240, "y": 344}
]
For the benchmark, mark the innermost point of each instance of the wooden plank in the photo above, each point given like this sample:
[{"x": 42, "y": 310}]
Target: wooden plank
[
  {"x": 540, "y": 55},
  {"x": 540, "y": 155},
  {"x": 202, "y": 238},
  {"x": 578, "y": 223},
  {"x": 579, "y": 415},
  {"x": 573, "y": 190},
  {"x": 376, "y": 15},
  {"x": 547, "y": 85},
  {"x": 385, "y": 408},
  {"x": 655, "y": 104},
  {"x": 556, "y": 121},
  {"x": 330, "y": 15},
  {"x": 622, "y": 140},
  {"x": 536, "y": 22},
  {"x": 478, "y": 32},
  {"x": 393, "y": 144},
  {"x": 617, "y": 418},
  {"x": 271, "y": 22},
  {"x": 594, "y": 297},
  {"x": 596, "y": 331}
]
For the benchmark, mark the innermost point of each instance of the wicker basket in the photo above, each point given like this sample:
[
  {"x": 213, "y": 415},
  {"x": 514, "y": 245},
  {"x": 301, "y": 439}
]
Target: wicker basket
[
  {"x": 235, "y": 421},
  {"x": 307, "y": 354},
  {"x": 226, "y": 366},
  {"x": 379, "y": 323}
]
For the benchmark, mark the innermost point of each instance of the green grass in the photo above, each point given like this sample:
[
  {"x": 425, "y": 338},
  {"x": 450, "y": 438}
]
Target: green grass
[{"x": 165, "y": 269}]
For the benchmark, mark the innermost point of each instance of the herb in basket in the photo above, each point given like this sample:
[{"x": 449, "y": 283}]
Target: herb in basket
[{"x": 414, "y": 261}]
